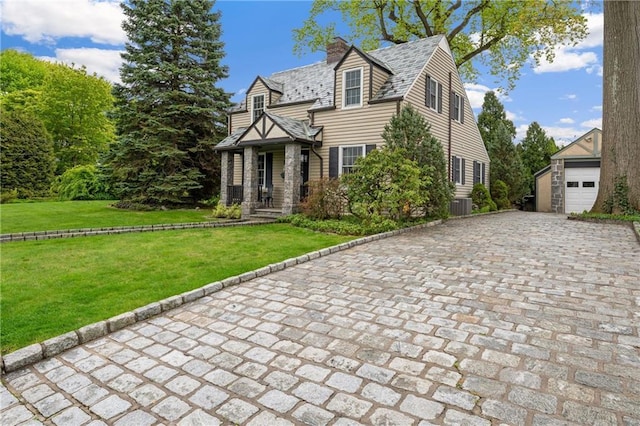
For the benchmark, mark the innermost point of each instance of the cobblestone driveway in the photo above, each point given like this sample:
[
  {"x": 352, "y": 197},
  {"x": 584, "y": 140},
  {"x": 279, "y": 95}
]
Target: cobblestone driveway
[{"x": 517, "y": 318}]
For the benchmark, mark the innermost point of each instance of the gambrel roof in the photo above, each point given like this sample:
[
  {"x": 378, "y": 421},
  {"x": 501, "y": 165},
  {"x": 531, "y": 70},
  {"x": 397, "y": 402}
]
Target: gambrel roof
[{"x": 315, "y": 83}]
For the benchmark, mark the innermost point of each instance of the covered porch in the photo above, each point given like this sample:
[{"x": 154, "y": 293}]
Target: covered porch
[{"x": 266, "y": 165}]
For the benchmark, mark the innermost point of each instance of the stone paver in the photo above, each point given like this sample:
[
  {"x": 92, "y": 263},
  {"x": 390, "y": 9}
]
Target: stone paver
[{"x": 516, "y": 318}]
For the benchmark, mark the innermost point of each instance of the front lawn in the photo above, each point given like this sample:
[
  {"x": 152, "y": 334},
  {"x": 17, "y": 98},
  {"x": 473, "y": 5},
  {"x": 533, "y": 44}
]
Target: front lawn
[
  {"x": 51, "y": 287},
  {"x": 56, "y": 215}
]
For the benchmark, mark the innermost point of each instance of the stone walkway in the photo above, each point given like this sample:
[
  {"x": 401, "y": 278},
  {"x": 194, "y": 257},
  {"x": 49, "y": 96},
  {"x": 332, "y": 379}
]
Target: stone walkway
[{"x": 516, "y": 318}]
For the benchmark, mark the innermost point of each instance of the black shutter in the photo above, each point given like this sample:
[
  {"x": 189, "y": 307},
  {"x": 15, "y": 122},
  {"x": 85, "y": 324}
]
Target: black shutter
[
  {"x": 369, "y": 148},
  {"x": 268, "y": 169},
  {"x": 476, "y": 176},
  {"x": 439, "y": 98},
  {"x": 454, "y": 166},
  {"x": 483, "y": 179},
  {"x": 452, "y": 103},
  {"x": 462, "y": 171},
  {"x": 461, "y": 110},
  {"x": 333, "y": 162},
  {"x": 427, "y": 96}
]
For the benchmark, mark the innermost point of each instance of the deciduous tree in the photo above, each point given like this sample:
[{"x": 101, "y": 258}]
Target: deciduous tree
[
  {"x": 501, "y": 35},
  {"x": 535, "y": 151},
  {"x": 619, "y": 190},
  {"x": 170, "y": 114}
]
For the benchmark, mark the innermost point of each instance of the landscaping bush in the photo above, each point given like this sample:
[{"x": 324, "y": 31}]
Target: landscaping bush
[
  {"x": 347, "y": 225},
  {"x": 234, "y": 211},
  {"x": 326, "y": 199},
  {"x": 481, "y": 199},
  {"x": 81, "y": 183},
  {"x": 500, "y": 194},
  {"x": 8, "y": 196},
  {"x": 385, "y": 183}
]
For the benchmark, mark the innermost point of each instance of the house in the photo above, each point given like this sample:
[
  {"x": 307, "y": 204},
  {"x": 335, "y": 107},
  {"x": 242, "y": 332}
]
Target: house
[
  {"x": 570, "y": 183},
  {"x": 316, "y": 120}
]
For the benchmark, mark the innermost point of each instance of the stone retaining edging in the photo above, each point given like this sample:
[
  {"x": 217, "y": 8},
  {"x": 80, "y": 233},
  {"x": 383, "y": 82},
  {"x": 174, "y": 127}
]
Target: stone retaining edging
[
  {"x": 85, "y": 232},
  {"x": 51, "y": 347}
]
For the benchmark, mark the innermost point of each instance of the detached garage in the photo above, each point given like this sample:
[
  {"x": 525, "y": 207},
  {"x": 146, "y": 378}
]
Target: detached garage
[{"x": 570, "y": 183}]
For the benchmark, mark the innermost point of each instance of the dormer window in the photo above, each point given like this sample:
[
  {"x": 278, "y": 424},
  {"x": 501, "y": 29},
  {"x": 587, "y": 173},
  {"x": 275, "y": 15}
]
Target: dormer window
[
  {"x": 352, "y": 88},
  {"x": 257, "y": 106}
]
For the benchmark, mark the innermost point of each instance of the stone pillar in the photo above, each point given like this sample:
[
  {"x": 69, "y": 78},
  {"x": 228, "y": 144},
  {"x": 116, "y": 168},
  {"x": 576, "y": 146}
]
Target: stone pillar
[
  {"x": 292, "y": 179},
  {"x": 250, "y": 182},
  {"x": 226, "y": 176},
  {"x": 557, "y": 186}
]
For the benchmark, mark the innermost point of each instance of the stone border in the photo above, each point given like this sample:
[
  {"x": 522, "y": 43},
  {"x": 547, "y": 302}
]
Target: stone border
[
  {"x": 85, "y": 232},
  {"x": 51, "y": 347}
]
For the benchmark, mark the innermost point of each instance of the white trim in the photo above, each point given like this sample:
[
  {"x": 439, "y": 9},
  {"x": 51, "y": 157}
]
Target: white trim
[
  {"x": 344, "y": 88},
  {"x": 457, "y": 179},
  {"x": 453, "y": 107},
  {"x": 341, "y": 148},
  {"x": 437, "y": 83}
]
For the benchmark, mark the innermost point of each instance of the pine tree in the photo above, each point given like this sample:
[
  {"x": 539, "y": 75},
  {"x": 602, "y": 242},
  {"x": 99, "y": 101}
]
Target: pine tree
[
  {"x": 536, "y": 150},
  {"x": 497, "y": 133},
  {"x": 170, "y": 114},
  {"x": 411, "y": 132}
]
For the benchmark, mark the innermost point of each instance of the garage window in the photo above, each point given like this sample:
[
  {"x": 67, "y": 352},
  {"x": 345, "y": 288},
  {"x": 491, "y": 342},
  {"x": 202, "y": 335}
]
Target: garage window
[
  {"x": 573, "y": 184},
  {"x": 588, "y": 184}
]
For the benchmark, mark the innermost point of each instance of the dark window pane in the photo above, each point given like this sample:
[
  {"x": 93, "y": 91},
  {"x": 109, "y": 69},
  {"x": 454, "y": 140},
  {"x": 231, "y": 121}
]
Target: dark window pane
[
  {"x": 573, "y": 184},
  {"x": 588, "y": 184}
]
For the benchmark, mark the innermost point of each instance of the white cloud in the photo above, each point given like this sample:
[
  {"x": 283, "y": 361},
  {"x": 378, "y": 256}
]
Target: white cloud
[
  {"x": 476, "y": 92},
  {"x": 521, "y": 132},
  {"x": 596, "y": 108},
  {"x": 513, "y": 116},
  {"x": 566, "y": 121},
  {"x": 563, "y": 135},
  {"x": 575, "y": 57},
  {"x": 594, "y": 122},
  {"x": 568, "y": 96},
  {"x": 46, "y": 21},
  {"x": 103, "y": 62}
]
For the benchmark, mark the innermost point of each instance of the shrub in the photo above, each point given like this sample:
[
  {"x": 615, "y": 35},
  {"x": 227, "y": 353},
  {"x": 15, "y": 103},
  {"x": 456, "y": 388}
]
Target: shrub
[
  {"x": 326, "y": 199},
  {"x": 232, "y": 212},
  {"x": 500, "y": 194},
  {"x": 481, "y": 198},
  {"x": 81, "y": 183},
  {"x": 8, "y": 196},
  {"x": 386, "y": 183}
]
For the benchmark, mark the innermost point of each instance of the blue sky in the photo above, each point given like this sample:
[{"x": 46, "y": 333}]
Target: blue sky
[{"x": 565, "y": 97}]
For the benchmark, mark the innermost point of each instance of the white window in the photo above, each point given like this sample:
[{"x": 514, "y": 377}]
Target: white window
[
  {"x": 348, "y": 157},
  {"x": 257, "y": 106},
  {"x": 352, "y": 88},
  {"x": 478, "y": 172},
  {"x": 261, "y": 170},
  {"x": 457, "y": 170},
  {"x": 433, "y": 96}
]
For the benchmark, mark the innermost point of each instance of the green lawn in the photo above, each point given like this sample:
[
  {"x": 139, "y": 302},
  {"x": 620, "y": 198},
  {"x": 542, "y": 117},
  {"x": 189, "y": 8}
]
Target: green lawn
[
  {"x": 51, "y": 287},
  {"x": 49, "y": 216}
]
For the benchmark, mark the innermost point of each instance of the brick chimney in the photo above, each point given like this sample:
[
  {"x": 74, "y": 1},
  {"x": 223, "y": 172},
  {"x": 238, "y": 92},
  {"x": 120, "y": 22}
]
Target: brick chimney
[{"x": 336, "y": 50}]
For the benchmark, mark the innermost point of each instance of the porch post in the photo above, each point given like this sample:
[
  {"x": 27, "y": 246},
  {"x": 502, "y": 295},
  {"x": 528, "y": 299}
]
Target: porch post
[
  {"x": 250, "y": 182},
  {"x": 226, "y": 176},
  {"x": 292, "y": 178}
]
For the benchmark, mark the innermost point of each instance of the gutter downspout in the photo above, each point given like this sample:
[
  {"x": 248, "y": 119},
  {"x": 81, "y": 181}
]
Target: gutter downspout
[
  {"x": 449, "y": 118},
  {"x": 313, "y": 149}
]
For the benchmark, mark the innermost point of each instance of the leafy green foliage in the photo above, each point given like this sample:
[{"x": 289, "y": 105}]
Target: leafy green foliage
[
  {"x": 233, "y": 211},
  {"x": 500, "y": 35},
  {"x": 7, "y": 196},
  {"x": 500, "y": 194},
  {"x": 618, "y": 201},
  {"x": 170, "y": 114},
  {"x": 385, "y": 183},
  {"x": 346, "y": 225},
  {"x": 536, "y": 150},
  {"x": 72, "y": 105},
  {"x": 326, "y": 199},
  {"x": 26, "y": 155},
  {"x": 410, "y": 132},
  {"x": 81, "y": 183},
  {"x": 481, "y": 198},
  {"x": 498, "y": 133}
]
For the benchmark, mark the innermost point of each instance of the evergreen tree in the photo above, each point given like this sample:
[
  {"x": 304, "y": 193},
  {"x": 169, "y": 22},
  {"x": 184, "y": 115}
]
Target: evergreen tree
[
  {"x": 170, "y": 114},
  {"x": 411, "y": 132},
  {"x": 536, "y": 150},
  {"x": 26, "y": 155},
  {"x": 497, "y": 133}
]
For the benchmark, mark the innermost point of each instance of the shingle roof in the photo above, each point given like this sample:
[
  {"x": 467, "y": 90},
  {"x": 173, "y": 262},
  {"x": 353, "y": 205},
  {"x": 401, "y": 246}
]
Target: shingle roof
[
  {"x": 314, "y": 83},
  {"x": 232, "y": 138}
]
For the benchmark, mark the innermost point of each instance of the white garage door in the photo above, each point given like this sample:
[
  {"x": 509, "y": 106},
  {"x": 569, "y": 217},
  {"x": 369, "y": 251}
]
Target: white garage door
[{"x": 581, "y": 188}]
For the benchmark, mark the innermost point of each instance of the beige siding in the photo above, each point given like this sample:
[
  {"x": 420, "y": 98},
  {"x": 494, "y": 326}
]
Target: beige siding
[
  {"x": 298, "y": 111},
  {"x": 466, "y": 141},
  {"x": 379, "y": 78},
  {"x": 237, "y": 169},
  {"x": 353, "y": 61},
  {"x": 543, "y": 192},
  {"x": 588, "y": 145}
]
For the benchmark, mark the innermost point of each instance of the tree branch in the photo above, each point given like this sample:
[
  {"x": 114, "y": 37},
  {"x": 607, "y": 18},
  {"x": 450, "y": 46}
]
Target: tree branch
[
  {"x": 479, "y": 50},
  {"x": 380, "y": 6},
  {"x": 451, "y": 9},
  {"x": 454, "y": 32},
  {"x": 423, "y": 18}
]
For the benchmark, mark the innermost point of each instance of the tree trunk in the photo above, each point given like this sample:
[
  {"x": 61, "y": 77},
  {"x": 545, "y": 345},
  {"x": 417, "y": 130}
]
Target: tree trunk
[{"x": 621, "y": 105}]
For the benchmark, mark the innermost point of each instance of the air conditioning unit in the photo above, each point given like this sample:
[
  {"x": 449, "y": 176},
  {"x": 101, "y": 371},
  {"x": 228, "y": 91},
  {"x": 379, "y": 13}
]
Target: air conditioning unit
[{"x": 460, "y": 207}]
